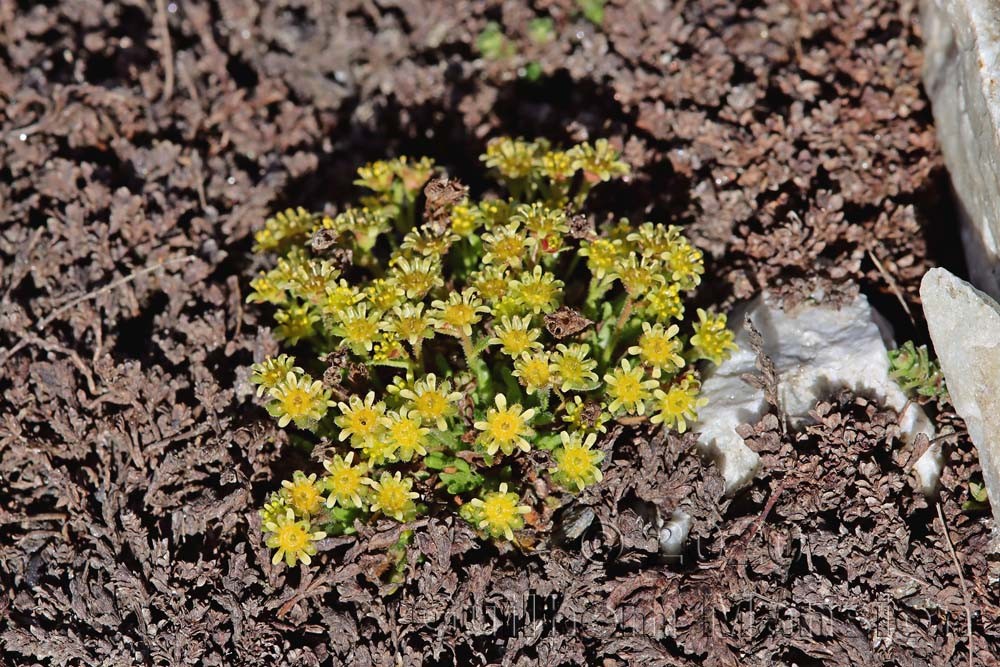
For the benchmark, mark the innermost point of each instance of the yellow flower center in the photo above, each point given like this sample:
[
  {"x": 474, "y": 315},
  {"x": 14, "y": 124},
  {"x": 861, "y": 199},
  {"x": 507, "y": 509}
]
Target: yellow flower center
[
  {"x": 305, "y": 497},
  {"x": 431, "y": 404},
  {"x": 657, "y": 349},
  {"x": 537, "y": 373},
  {"x": 492, "y": 288},
  {"x": 575, "y": 462},
  {"x": 676, "y": 401},
  {"x": 570, "y": 369},
  {"x": 504, "y": 426},
  {"x": 629, "y": 389},
  {"x": 499, "y": 510},
  {"x": 508, "y": 249},
  {"x": 515, "y": 342},
  {"x": 538, "y": 295},
  {"x": 345, "y": 481},
  {"x": 363, "y": 421},
  {"x": 360, "y": 330},
  {"x": 405, "y": 433},
  {"x": 295, "y": 402},
  {"x": 392, "y": 498},
  {"x": 459, "y": 315},
  {"x": 292, "y": 537}
]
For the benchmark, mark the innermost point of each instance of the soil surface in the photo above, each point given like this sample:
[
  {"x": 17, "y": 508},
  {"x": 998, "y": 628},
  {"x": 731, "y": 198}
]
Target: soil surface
[{"x": 141, "y": 143}]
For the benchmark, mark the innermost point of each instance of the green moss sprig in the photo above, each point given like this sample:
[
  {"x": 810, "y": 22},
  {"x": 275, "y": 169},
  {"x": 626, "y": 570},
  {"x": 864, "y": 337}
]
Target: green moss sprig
[{"x": 916, "y": 372}]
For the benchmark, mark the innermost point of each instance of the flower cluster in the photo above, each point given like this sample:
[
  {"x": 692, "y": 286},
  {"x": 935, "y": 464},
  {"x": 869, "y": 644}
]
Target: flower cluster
[{"x": 453, "y": 343}]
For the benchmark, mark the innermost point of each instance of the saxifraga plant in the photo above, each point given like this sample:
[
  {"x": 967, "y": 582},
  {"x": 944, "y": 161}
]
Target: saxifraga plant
[{"x": 461, "y": 342}]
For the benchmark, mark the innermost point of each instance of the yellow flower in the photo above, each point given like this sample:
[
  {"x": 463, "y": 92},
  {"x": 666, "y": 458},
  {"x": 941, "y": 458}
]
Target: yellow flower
[
  {"x": 359, "y": 328},
  {"x": 638, "y": 274},
  {"x": 515, "y": 336},
  {"x": 464, "y": 219},
  {"x": 711, "y": 339},
  {"x": 416, "y": 276},
  {"x": 384, "y": 295},
  {"x": 574, "y": 369},
  {"x": 506, "y": 246},
  {"x": 685, "y": 263},
  {"x": 499, "y": 514},
  {"x": 678, "y": 404},
  {"x": 311, "y": 280},
  {"x": 658, "y": 349},
  {"x": 364, "y": 225},
  {"x": 269, "y": 373},
  {"x": 603, "y": 256},
  {"x": 493, "y": 211},
  {"x": 505, "y": 428},
  {"x": 664, "y": 303},
  {"x": 387, "y": 347},
  {"x": 491, "y": 282},
  {"x": 299, "y": 399},
  {"x": 288, "y": 225},
  {"x": 339, "y": 297},
  {"x": 627, "y": 390},
  {"x": 413, "y": 174},
  {"x": 345, "y": 481},
  {"x": 577, "y": 463},
  {"x": 360, "y": 420},
  {"x": 302, "y": 494},
  {"x": 295, "y": 323},
  {"x": 538, "y": 291},
  {"x": 654, "y": 241},
  {"x": 292, "y": 539},
  {"x": 459, "y": 312},
  {"x": 513, "y": 158},
  {"x": 275, "y": 506},
  {"x": 376, "y": 176},
  {"x": 378, "y": 450},
  {"x": 586, "y": 415},
  {"x": 599, "y": 161},
  {"x": 533, "y": 371},
  {"x": 411, "y": 323},
  {"x": 433, "y": 402},
  {"x": 404, "y": 431},
  {"x": 547, "y": 226},
  {"x": 426, "y": 244},
  {"x": 266, "y": 290},
  {"x": 557, "y": 166},
  {"x": 392, "y": 496}
]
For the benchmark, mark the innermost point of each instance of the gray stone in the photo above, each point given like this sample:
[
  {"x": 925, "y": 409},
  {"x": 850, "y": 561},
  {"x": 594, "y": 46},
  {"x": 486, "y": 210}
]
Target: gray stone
[
  {"x": 962, "y": 79},
  {"x": 964, "y": 324},
  {"x": 817, "y": 350}
]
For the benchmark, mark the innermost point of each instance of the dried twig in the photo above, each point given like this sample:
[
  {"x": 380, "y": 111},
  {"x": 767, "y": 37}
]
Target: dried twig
[
  {"x": 767, "y": 380},
  {"x": 961, "y": 580},
  {"x": 893, "y": 285},
  {"x": 167, "y": 50}
]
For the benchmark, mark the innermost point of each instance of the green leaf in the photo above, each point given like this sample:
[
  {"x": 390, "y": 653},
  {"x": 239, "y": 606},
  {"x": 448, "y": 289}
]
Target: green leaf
[
  {"x": 461, "y": 481},
  {"x": 532, "y": 71},
  {"x": 592, "y": 10},
  {"x": 542, "y": 30},
  {"x": 493, "y": 44},
  {"x": 978, "y": 492}
]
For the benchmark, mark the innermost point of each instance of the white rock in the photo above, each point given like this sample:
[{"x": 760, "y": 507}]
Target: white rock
[
  {"x": 962, "y": 79},
  {"x": 817, "y": 350},
  {"x": 674, "y": 532},
  {"x": 965, "y": 327}
]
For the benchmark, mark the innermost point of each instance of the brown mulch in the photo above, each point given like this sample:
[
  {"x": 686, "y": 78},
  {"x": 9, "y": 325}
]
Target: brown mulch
[{"x": 791, "y": 138}]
